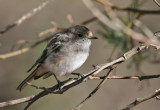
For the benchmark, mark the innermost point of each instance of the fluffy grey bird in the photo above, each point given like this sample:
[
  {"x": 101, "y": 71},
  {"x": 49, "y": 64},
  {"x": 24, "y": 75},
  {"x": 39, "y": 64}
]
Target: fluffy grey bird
[{"x": 66, "y": 52}]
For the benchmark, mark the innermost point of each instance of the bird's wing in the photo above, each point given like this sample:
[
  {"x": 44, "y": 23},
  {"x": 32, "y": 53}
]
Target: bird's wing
[{"x": 53, "y": 45}]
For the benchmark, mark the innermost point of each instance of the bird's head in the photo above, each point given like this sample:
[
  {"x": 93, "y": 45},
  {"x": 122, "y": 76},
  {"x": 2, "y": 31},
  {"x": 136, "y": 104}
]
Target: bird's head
[{"x": 80, "y": 32}]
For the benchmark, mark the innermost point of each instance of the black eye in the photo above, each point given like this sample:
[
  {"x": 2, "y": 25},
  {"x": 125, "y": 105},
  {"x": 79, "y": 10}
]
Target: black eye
[{"x": 80, "y": 35}]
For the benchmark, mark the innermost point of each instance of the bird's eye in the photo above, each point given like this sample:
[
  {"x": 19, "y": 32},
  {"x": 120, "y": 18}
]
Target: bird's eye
[{"x": 80, "y": 35}]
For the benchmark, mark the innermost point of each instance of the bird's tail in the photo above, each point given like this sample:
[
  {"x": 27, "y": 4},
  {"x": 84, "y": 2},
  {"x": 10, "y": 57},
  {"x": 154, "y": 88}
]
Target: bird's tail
[{"x": 24, "y": 82}]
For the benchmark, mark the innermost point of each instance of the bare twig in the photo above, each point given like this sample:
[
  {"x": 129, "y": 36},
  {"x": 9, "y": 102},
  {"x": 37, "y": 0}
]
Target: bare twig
[
  {"x": 157, "y": 2},
  {"x": 97, "y": 13},
  {"x": 17, "y": 101},
  {"x": 67, "y": 84},
  {"x": 26, "y": 99},
  {"x": 72, "y": 82},
  {"x": 37, "y": 87},
  {"x": 24, "y": 17},
  {"x": 70, "y": 19},
  {"x": 94, "y": 91},
  {"x": 125, "y": 56},
  {"x": 117, "y": 24},
  {"x": 51, "y": 30},
  {"x": 144, "y": 28},
  {"x": 126, "y": 77},
  {"x": 140, "y": 100},
  {"x": 23, "y": 50},
  {"x": 128, "y": 9},
  {"x": 130, "y": 32},
  {"x": 89, "y": 21},
  {"x": 20, "y": 43}
]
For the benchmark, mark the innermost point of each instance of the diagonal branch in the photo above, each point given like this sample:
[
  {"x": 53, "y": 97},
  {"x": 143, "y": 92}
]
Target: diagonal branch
[
  {"x": 68, "y": 84},
  {"x": 95, "y": 90},
  {"x": 128, "y": 9},
  {"x": 116, "y": 24},
  {"x": 24, "y": 17},
  {"x": 157, "y": 2},
  {"x": 140, "y": 100},
  {"x": 23, "y": 50},
  {"x": 26, "y": 99},
  {"x": 126, "y": 77},
  {"x": 72, "y": 82},
  {"x": 16, "y": 101},
  {"x": 36, "y": 43}
]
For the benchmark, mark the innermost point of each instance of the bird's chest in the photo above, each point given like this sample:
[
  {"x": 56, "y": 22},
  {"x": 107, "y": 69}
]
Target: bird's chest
[
  {"x": 73, "y": 61},
  {"x": 68, "y": 59}
]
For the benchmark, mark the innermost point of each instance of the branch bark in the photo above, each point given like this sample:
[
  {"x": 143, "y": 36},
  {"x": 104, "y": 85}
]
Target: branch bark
[
  {"x": 128, "y": 9},
  {"x": 115, "y": 23},
  {"x": 140, "y": 100},
  {"x": 24, "y": 17},
  {"x": 26, "y": 99},
  {"x": 68, "y": 84},
  {"x": 17, "y": 101},
  {"x": 95, "y": 90}
]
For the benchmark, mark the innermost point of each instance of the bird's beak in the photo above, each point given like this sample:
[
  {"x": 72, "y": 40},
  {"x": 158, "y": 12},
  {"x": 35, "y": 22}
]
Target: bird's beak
[{"x": 90, "y": 36}]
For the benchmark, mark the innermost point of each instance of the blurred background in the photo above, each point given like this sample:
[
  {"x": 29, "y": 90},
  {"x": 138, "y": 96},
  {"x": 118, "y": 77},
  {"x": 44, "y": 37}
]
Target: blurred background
[{"x": 114, "y": 94}]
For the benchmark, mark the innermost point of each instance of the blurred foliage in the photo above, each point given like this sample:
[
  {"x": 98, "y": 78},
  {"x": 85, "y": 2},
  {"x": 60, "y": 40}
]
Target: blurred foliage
[
  {"x": 118, "y": 39},
  {"x": 131, "y": 16},
  {"x": 124, "y": 42}
]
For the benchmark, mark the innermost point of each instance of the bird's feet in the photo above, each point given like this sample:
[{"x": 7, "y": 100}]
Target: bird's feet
[
  {"x": 78, "y": 74},
  {"x": 59, "y": 83}
]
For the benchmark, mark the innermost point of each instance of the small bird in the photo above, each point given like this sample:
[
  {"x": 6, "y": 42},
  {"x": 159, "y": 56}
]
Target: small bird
[{"x": 66, "y": 52}]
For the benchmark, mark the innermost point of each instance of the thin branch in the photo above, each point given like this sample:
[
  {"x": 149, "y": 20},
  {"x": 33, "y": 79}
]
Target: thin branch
[
  {"x": 36, "y": 43},
  {"x": 51, "y": 30},
  {"x": 97, "y": 13},
  {"x": 130, "y": 32},
  {"x": 26, "y": 99},
  {"x": 117, "y": 24},
  {"x": 126, "y": 77},
  {"x": 88, "y": 21},
  {"x": 94, "y": 91},
  {"x": 19, "y": 44},
  {"x": 144, "y": 28},
  {"x": 140, "y": 100},
  {"x": 135, "y": 10},
  {"x": 17, "y": 101},
  {"x": 157, "y": 2},
  {"x": 24, "y": 17},
  {"x": 23, "y": 50},
  {"x": 66, "y": 85},
  {"x": 70, "y": 19}
]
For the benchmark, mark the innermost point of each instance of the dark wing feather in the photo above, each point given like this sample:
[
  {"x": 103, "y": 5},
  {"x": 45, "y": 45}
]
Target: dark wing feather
[{"x": 51, "y": 47}]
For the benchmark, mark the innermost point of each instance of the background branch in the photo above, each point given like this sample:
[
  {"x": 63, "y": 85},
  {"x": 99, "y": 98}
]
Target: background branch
[
  {"x": 67, "y": 84},
  {"x": 157, "y": 2},
  {"x": 116, "y": 24},
  {"x": 140, "y": 100},
  {"x": 23, "y": 50},
  {"x": 17, "y": 101},
  {"x": 110, "y": 19},
  {"x": 127, "y": 9},
  {"x": 26, "y": 99},
  {"x": 125, "y": 77},
  {"x": 95, "y": 90},
  {"x": 24, "y": 17}
]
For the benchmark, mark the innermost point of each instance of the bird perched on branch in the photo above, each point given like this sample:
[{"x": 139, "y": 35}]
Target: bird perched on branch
[{"x": 66, "y": 52}]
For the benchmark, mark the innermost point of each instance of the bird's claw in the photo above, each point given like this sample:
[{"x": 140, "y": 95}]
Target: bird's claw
[{"x": 80, "y": 76}]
